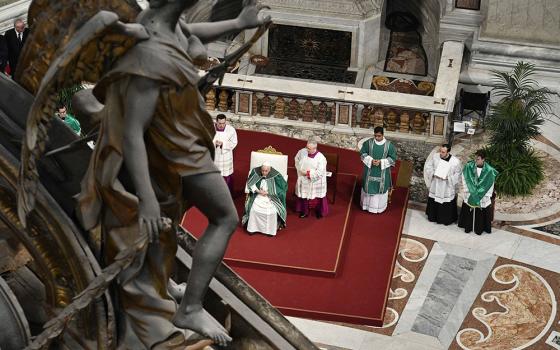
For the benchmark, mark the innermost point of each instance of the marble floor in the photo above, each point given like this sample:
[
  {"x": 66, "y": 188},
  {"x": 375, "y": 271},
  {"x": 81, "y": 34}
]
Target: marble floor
[{"x": 453, "y": 290}]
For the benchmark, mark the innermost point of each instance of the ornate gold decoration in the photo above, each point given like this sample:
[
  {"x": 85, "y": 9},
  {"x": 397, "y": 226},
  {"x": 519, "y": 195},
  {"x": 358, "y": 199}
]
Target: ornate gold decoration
[
  {"x": 405, "y": 86},
  {"x": 270, "y": 150},
  {"x": 57, "y": 250},
  {"x": 94, "y": 290},
  {"x": 46, "y": 36},
  {"x": 259, "y": 60},
  {"x": 209, "y": 63}
]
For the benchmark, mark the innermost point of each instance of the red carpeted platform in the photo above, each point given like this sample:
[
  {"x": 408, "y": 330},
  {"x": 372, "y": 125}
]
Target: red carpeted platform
[
  {"x": 319, "y": 241},
  {"x": 294, "y": 270}
]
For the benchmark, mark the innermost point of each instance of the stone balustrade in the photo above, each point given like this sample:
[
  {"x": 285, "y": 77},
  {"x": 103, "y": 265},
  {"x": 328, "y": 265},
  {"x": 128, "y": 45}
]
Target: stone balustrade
[{"x": 271, "y": 107}]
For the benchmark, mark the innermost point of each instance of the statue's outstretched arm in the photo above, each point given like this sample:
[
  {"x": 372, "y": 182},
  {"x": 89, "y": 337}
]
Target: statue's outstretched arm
[
  {"x": 211, "y": 31},
  {"x": 140, "y": 105}
]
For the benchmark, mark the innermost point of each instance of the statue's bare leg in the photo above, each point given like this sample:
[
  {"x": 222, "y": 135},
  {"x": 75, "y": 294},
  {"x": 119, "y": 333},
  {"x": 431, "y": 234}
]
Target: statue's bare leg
[{"x": 209, "y": 193}]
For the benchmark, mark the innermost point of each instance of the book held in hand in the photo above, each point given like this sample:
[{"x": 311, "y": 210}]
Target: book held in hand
[{"x": 442, "y": 169}]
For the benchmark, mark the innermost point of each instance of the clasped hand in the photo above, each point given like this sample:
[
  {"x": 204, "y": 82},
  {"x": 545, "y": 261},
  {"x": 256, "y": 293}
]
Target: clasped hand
[
  {"x": 150, "y": 220},
  {"x": 249, "y": 16},
  {"x": 376, "y": 162}
]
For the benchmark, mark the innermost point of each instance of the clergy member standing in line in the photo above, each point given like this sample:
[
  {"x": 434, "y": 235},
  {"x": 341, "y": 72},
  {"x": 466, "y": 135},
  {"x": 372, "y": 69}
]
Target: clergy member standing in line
[
  {"x": 225, "y": 142},
  {"x": 478, "y": 187},
  {"x": 378, "y": 155},
  {"x": 443, "y": 174},
  {"x": 265, "y": 207},
  {"x": 311, "y": 185}
]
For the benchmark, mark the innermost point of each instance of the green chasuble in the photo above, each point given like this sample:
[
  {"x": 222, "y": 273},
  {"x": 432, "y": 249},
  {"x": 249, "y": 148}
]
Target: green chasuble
[
  {"x": 375, "y": 180},
  {"x": 478, "y": 185},
  {"x": 277, "y": 188},
  {"x": 73, "y": 123}
]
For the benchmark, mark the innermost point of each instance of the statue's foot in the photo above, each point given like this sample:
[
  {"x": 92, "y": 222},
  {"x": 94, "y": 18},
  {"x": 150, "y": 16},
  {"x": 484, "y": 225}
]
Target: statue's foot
[{"x": 204, "y": 324}]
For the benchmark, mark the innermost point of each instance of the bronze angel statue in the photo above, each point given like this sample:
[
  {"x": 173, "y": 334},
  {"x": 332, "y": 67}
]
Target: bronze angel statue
[{"x": 154, "y": 154}]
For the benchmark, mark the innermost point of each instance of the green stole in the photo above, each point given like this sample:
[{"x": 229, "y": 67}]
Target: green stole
[
  {"x": 478, "y": 185},
  {"x": 277, "y": 188},
  {"x": 375, "y": 180}
]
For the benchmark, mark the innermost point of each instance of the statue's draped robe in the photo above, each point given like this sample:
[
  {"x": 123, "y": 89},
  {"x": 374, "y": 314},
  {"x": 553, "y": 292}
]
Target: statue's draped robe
[
  {"x": 178, "y": 143},
  {"x": 376, "y": 180},
  {"x": 442, "y": 197},
  {"x": 263, "y": 213}
]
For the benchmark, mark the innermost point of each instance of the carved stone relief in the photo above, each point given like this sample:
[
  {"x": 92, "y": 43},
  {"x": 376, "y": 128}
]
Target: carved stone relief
[{"x": 333, "y": 8}]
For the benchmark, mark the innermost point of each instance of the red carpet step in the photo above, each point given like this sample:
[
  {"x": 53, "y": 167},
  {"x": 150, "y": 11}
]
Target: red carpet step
[
  {"x": 308, "y": 245},
  {"x": 337, "y": 268}
]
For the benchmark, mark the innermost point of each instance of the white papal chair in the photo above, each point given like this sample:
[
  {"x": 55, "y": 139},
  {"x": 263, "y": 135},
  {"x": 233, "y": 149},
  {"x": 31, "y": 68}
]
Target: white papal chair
[{"x": 276, "y": 159}]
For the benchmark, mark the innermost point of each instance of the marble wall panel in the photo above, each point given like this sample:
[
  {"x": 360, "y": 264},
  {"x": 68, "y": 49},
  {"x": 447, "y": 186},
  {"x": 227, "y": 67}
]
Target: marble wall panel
[{"x": 530, "y": 21}]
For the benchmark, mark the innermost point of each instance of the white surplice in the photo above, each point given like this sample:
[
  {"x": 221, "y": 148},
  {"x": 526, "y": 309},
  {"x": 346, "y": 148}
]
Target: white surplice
[
  {"x": 263, "y": 216},
  {"x": 442, "y": 190},
  {"x": 224, "y": 154},
  {"x": 316, "y": 185},
  {"x": 374, "y": 203}
]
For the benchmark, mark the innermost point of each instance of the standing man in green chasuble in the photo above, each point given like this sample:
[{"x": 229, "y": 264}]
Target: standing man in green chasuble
[
  {"x": 478, "y": 188},
  {"x": 378, "y": 155},
  {"x": 265, "y": 207}
]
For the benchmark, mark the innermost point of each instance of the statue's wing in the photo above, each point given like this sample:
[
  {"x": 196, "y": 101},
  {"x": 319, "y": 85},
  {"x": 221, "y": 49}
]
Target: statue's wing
[
  {"x": 90, "y": 53},
  {"x": 52, "y": 25}
]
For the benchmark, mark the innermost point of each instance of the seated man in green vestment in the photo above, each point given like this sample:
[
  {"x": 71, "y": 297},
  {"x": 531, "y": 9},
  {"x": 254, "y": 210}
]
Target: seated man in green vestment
[
  {"x": 478, "y": 187},
  {"x": 69, "y": 119},
  {"x": 265, "y": 207},
  {"x": 378, "y": 155}
]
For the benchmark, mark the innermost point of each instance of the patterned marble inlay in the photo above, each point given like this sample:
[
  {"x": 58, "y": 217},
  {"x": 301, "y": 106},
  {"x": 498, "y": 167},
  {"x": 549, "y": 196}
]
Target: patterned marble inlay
[
  {"x": 411, "y": 251},
  {"x": 517, "y": 316},
  {"x": 446, "y": 289}
]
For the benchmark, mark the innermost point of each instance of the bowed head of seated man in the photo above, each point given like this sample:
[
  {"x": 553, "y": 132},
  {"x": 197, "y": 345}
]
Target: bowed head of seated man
[{"x": 265, "y": 207}]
